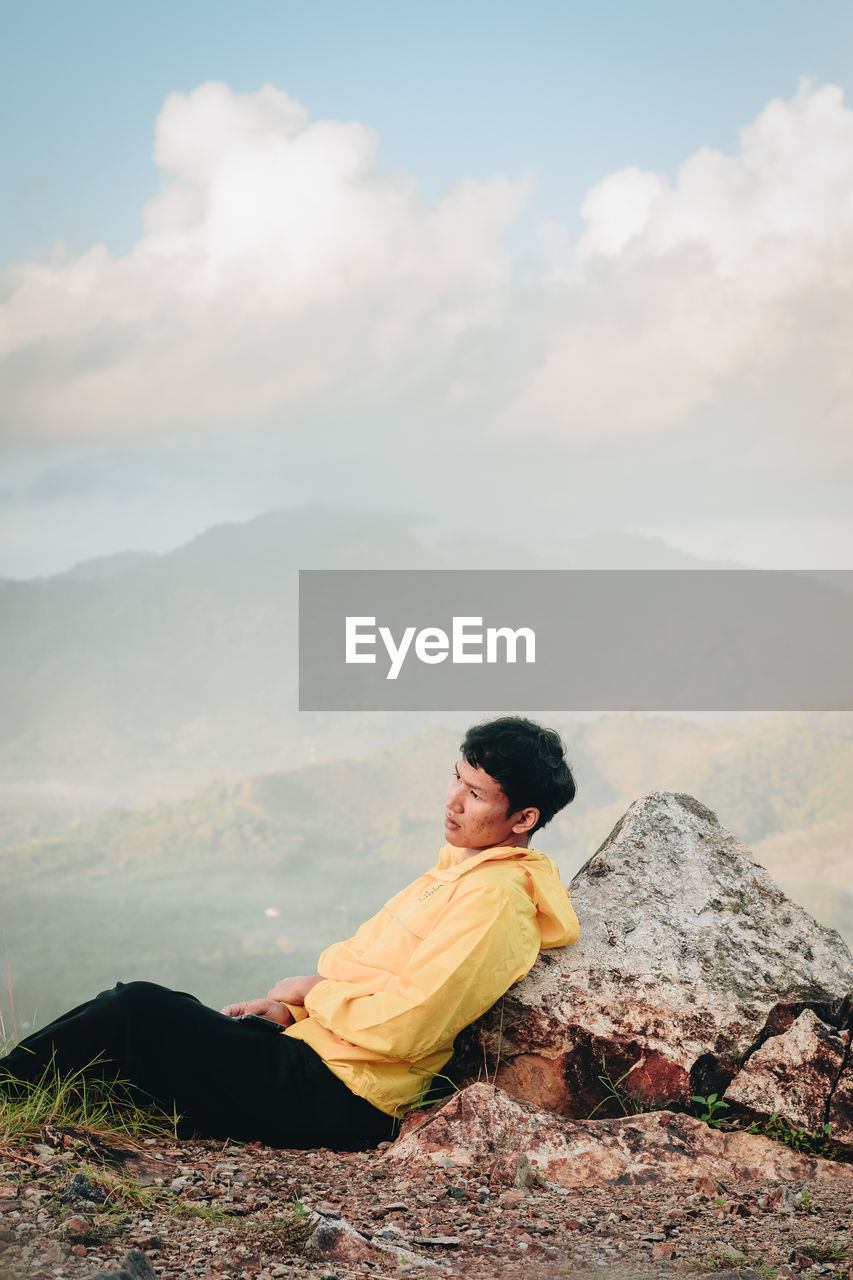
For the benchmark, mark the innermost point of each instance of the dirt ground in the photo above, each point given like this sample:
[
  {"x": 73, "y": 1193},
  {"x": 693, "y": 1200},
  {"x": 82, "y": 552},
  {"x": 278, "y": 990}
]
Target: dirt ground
[{"x": 204, "y": 1209}]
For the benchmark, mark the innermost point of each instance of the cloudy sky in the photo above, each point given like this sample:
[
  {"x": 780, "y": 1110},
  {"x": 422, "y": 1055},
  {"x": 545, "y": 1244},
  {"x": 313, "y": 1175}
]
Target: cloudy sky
[{"x": 581, "y": 267}]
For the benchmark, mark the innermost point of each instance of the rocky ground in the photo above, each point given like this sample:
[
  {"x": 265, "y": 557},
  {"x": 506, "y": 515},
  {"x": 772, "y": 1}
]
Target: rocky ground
[{"x": 204, "y": 1209}]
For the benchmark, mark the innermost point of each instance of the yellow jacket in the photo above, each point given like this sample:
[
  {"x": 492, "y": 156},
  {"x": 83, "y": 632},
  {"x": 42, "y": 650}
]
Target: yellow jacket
[{"x": 435, "y": 958}]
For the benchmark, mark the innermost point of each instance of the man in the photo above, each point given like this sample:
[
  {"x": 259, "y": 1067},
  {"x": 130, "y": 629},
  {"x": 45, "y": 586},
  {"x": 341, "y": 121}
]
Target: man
[{"x": 335, "y": 1058}]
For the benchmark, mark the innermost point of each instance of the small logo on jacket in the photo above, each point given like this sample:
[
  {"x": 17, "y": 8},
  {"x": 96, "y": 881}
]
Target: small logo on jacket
[{"x": 427, "y": 893}]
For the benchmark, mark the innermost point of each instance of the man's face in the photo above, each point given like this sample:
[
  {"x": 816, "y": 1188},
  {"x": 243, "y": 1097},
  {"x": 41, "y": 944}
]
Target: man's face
[{"x": 476, "y": 812}]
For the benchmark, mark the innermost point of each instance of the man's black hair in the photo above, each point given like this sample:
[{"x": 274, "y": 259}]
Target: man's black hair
[{"x": 528, "y": 761}]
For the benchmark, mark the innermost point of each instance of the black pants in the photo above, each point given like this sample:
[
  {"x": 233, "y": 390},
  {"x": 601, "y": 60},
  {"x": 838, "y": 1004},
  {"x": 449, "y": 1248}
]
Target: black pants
[{"x": 226, "y": 1078}]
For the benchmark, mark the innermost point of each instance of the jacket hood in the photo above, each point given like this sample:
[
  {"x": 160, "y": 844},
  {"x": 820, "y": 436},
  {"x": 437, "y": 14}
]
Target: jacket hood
[{"x": 558, "y": 924}]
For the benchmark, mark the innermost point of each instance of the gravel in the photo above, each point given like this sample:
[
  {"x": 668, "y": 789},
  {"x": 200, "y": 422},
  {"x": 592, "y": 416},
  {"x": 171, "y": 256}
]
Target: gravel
[{"x": 204, "y": 1209}]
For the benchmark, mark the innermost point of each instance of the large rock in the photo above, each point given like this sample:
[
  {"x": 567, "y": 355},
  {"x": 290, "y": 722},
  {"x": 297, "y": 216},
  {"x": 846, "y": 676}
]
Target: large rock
[
  {"x": 484, "y": 1127},
  {"x": 690, "y": 956},
  {"x": 793, "y": 1075}
]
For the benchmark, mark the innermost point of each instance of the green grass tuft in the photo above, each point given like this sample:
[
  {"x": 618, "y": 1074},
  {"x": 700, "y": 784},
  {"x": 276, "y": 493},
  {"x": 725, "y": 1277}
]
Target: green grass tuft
[
  {"x": 825, "y": 1250},
  {"x": 818, "y": 1143},
  {"x": 729, "y": 1262},
  {"x": 109, "y": 1108},
  {"x": 628, "y": 1105}
]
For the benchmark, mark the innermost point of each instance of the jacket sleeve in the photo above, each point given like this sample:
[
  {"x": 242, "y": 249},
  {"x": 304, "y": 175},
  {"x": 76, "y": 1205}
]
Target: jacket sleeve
[{"x": 486, "y": 939}]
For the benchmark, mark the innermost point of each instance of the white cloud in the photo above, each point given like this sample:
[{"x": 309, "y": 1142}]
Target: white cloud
[
  {"x": 283, "y": 277},
  {"x": 743, "y": 267},
  {"x": 278, "y": 271}
]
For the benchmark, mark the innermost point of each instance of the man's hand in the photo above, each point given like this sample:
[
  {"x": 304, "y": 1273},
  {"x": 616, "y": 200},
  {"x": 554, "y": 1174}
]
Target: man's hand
[
  {"x": 272, "y": 1010},
  {"x": 294, "y": 990}
]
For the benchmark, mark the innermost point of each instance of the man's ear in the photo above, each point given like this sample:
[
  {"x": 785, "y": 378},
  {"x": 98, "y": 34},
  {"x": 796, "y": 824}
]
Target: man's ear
[{"x": 525, "y": 821}]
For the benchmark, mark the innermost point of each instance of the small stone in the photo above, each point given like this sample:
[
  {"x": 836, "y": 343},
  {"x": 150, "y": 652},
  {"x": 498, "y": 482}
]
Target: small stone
[
  {"x": 782, "y": 1199},
  {"x": 79, "y": 1188},
  {"x": 135, "y": 1267},
  {"x": 335, "y": 1239},
  {"x": 740, "y": 1208},
  {"x": 663, "y": 1249},
  {"x": 511, "y": 1199},
  {"x": 382, "y": 1210},
  {"x": 149, "y": 1244},
  {"x": 79, "y": 1250}
]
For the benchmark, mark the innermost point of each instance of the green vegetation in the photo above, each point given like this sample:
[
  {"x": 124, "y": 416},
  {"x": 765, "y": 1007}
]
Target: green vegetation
[
  {"x": 209, "y": 1213},
  {"x": 628, "y": 1105},
  {"x": 712, "y": 1105},
  {"x": 285, "y": 1234},
  {"x": 734, "y": 1260},
  {"x": 432, "y": 1089},
  {"x": 107, "y": 1108},
  {"x": 817, "y": 1143},
  {"x": 825, "y": 1250}
]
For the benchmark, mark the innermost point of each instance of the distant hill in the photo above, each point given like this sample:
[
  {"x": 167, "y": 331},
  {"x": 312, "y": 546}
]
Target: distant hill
[
  {"x": 136, "y": 677},
  {"x": 179, "y": 892},
  {"x": 114, "y": 566},
  {"x": 146, "y": 680}
]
